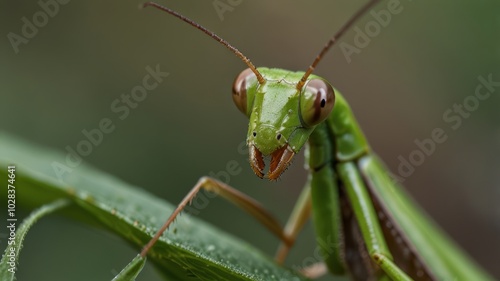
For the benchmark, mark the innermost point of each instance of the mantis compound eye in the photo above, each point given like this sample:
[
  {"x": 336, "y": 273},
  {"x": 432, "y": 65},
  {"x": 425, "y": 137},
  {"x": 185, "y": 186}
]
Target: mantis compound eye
[
  {"x": 316, "y": 102},
  {"x": 242, "y": 83}
]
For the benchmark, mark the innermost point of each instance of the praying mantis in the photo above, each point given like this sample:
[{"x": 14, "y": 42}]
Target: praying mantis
[{"x": 379, "y": 233}]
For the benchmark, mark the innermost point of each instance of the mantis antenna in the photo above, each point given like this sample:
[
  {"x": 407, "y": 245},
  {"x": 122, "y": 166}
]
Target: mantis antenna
[
  {"x": 334, "y": 39},
  {"x": 217, "y": 38}
]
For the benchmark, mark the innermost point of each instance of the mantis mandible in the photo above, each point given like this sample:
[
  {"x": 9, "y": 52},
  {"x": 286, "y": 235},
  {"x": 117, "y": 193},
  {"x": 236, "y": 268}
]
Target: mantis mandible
[{"x": 379, "y": 232}]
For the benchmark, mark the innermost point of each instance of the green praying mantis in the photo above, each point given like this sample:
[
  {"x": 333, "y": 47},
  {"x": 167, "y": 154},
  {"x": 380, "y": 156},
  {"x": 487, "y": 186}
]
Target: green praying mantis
[{"x": 379, "y": 233}]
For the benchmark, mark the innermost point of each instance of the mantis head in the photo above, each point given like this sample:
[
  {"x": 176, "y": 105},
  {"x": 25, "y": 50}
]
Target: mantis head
[
  {"x": 282, "y": 117},
  {"x": 283, "y": 107}
]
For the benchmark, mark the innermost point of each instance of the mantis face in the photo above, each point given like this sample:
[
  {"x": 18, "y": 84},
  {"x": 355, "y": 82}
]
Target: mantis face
[{"x": 281, "y": 116}]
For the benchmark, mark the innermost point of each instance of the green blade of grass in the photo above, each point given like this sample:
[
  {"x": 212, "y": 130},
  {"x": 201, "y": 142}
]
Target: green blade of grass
[
  {"x": 130, "y": 272},
  {"x": 194, "y": 249},
  {"x": 10, "y": 258}
]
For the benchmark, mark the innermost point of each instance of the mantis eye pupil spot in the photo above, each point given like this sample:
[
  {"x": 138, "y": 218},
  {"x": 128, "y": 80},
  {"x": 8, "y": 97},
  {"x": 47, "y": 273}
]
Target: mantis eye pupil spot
[
  {"x": 317, "y": 100},
  {"x": 278, "y": 136},
  {"x": 254, "y": 134}
]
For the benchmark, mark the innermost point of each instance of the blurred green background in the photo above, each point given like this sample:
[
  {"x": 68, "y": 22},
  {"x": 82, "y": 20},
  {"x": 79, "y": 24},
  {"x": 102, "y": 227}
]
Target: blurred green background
[{"x": 429, "y": 57}]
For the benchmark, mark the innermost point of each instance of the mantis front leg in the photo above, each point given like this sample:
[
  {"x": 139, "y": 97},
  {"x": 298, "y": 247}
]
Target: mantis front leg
[
  {"x": 365, "y": 214},
  {"x": 234, "y": 196},
  {"x": 300, "y": 215}
]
